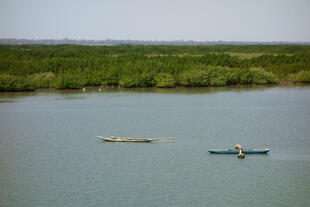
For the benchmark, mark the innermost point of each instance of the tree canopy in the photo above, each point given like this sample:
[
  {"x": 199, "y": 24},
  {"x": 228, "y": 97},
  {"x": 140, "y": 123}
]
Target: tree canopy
[{"x": 26, "y": 67}]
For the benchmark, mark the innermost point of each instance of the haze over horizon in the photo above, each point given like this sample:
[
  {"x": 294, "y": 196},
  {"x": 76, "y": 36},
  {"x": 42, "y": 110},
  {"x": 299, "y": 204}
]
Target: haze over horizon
[{"x": 198, "y": 20}]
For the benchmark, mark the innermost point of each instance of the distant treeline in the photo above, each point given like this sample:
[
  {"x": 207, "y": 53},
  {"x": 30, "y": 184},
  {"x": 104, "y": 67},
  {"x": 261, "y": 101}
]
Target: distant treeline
[
  {"x": 27, "y": 67},
  {"x": 10, "y": 41}
]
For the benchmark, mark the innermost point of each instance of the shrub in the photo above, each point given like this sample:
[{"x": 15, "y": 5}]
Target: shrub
[
  {"x": 218, "y": 81},
  {"x": 43, "y": 80},
  {"x": 164, "y": 80},
  {"x": 232, "y": 77},
  {"x": 260, "y": 76},
  {"x": 194, "y": 77},
  {"x": 15, "y": 83},
  {"x": 246, "y": 76},
  {"x": 70, "y": 81},
  {"x": 302, "y": 77},
  {"x": 128, "y": 82},
  {"x": 217, "y": 75}
]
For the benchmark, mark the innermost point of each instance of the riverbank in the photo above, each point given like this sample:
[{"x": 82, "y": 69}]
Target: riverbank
[
  {"x": 284, "y": 83},
  {"x": 175, "y": 90}
]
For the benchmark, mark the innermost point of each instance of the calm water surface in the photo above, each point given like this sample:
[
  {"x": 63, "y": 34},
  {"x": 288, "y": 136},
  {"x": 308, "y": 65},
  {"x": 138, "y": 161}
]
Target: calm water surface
[{"x": 50, "y": 156}]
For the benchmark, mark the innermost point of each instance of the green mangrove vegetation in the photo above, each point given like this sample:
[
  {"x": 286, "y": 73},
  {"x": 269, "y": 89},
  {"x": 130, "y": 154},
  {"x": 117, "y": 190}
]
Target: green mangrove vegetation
[{"x": 27, "y": 67}]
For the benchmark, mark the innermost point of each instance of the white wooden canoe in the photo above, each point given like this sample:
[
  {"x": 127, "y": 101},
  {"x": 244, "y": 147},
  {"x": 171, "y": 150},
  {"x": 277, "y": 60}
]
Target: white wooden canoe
[{"x": 126, "y": 139}]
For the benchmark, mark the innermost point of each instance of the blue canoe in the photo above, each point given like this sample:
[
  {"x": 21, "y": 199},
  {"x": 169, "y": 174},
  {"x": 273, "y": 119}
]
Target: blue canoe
[{"x": 236, "y": 151}]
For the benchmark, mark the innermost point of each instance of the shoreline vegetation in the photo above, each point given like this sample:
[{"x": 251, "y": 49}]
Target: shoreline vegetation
[{"x": 30, "y": 67}]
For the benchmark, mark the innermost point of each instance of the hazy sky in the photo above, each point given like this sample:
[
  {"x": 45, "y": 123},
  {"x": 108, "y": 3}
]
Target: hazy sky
[{"x": 229, "y": 20}]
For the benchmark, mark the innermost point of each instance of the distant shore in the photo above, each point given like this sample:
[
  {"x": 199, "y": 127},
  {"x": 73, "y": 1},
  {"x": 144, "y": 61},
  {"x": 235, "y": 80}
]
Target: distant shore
[
  {"x": 212, "y": 88},
  {"x": 29, "y": 67}
]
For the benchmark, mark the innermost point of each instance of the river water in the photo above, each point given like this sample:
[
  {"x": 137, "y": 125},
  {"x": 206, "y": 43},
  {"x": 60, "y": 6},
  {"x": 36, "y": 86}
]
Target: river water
[{"x": 50, "y": 156}]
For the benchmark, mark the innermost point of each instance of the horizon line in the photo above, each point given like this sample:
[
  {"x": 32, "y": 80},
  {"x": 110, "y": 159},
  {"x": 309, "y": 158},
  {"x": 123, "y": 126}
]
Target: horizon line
[
  {"x": 149, "y": 40},
  {"x": 66, "y": 40}
]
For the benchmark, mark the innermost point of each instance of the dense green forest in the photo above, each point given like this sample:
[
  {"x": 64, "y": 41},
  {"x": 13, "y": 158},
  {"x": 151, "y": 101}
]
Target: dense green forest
[{"x": 27, "y": 67}]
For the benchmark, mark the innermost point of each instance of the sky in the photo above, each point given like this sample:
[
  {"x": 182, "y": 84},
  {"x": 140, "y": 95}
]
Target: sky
[{"x": 199, "y": 20}]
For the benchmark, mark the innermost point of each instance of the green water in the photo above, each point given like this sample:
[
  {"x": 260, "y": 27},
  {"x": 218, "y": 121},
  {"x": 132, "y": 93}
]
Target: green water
[{"x": 50, "y": 156}]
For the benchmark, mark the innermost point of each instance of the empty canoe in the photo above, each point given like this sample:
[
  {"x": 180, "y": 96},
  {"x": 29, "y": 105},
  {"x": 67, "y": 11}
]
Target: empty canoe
[{"x": 126, "y": 139}]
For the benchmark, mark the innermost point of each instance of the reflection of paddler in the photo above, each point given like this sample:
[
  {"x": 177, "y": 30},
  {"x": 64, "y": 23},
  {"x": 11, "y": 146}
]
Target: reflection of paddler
[{"x": 241, "y": 155}]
